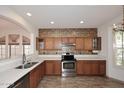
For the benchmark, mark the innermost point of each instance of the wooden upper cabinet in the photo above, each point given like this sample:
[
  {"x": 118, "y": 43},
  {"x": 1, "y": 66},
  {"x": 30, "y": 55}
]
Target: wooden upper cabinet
[
  {"x": 64, "y": 40},
  {"x": 97, "y": 43},
  {"x": 79, "y": 41},
  {"x": 71, "y": 40},
  {"x": 68, "y": 40},
  {"x": 49, "y": 43},
  {"x": 88, "y": 43},
  {"x": 57, "y": 43}
]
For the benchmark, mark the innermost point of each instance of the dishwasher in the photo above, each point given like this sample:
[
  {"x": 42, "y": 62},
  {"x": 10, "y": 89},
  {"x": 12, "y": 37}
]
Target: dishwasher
[{"x": 21, "y": 83}]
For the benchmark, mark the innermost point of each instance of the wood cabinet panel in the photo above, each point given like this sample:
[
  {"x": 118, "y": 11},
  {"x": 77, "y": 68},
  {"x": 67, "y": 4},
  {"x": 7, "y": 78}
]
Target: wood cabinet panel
[
  {"x": 57, "y": 43},
  {"x": 86, "y": 68},
  {"x": 64, "y": 40},
  {"x": 52, "y": 67},
  {"x": 91, "y": 67},
  {"x": 82, "y": 43},
  {"x": 49, "y": 43},
  {"x": 88, "y": 43},
  {"x": 79, "y": 68},
  {"x": 71, "y": 40},
  {"x": 95, "y": 68},
  {"x": 33, "y": 80},
  {"x": 42, "y": 69},
  {"x": 49, "y": 68},
  {"x": 102, "y": 69},
  {"x": 36, "y": 75},
  {"x": 79, "y": 43},
  {"x": 57, "y": 68}
]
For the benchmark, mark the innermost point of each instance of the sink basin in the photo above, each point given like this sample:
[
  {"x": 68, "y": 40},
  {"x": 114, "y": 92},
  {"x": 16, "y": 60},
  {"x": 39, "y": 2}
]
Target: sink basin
[{"x": 28, "y": 65}]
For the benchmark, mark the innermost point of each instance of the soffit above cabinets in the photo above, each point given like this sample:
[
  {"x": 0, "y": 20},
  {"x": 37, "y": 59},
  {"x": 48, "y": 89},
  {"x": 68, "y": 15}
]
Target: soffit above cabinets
[{"x": 68, "y": 16}]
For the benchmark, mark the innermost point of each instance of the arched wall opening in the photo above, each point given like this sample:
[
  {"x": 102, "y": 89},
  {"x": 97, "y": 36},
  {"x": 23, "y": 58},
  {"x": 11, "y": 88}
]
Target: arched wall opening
[{"x": 9, "y": 27}]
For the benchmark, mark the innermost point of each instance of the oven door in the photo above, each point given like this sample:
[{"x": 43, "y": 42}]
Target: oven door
[{"x": 68, "y": 66}]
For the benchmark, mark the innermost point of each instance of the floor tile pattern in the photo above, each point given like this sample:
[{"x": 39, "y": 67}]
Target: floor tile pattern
[{"x": 79, "y": 82}]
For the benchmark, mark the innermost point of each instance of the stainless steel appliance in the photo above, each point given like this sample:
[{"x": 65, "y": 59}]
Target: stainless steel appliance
[{"x": 68, "y": 65}]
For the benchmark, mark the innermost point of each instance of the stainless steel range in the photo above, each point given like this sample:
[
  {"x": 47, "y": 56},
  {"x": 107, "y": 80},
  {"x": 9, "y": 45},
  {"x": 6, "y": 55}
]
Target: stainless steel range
[{"x": 68, "y": 65}]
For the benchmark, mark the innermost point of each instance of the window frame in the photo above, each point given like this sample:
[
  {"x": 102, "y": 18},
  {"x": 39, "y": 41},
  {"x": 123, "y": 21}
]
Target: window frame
[{"x": 117, "y": 47}]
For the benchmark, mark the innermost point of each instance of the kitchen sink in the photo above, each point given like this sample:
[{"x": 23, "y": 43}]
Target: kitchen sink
[{"x": 27, "y": 65}]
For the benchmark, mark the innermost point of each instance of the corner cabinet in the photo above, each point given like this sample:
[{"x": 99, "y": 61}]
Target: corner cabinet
[
  {"x": 36, "y": 75},
  {"x": 91, "y": 67}
]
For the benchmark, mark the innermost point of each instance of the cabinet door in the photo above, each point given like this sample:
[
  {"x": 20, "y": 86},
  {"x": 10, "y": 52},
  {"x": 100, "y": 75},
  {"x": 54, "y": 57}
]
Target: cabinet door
[
  {"x": 57, "y": 43},
  {"x": 49, "y": 68},
  {"x": 64, "y": 40},
  {"x": 79, "y": 68},
  {"x": 87, "y": 68},
  {"x": 49, "y": 43},
  {"x": 71, "y": 40},
  {"x": 33, "y": 80},
  {"x": 97, "y": 43},
  {"x": 88, "y": 43},
  {"x": 57, "y": 68},
  {"x": 79, "y": 43},
  {"x": 95, "y": 68},
  {"x": 102, "y": 68},
  {"x": 42, "y": 69}
]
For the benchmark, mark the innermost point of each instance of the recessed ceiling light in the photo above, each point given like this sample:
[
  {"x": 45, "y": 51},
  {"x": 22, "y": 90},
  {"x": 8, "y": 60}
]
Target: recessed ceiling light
[
  {"x": 81, "y": 22},
  {"x": 28, "y": 14},
  {"x": 52, "y": 22}
]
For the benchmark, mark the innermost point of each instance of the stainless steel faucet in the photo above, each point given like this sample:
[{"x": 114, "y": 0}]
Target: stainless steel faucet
[{"x": 24, "y": 58}]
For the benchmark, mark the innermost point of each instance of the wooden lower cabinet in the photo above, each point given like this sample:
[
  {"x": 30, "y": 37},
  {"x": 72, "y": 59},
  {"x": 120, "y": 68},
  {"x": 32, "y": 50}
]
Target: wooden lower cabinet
[
  {"x": 53, "y": 67},
  {"x": 36, "y": 75},
  {"x": 91, "y": 67}
]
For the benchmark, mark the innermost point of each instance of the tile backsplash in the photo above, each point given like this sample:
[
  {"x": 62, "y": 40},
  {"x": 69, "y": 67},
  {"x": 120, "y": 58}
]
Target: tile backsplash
[{"x": 56, "y": 52}]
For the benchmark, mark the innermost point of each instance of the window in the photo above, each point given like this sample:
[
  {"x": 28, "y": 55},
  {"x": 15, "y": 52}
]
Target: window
[
  {"x": 119, "y": 48},
  {"x": 2, "y": 51},
  {"x": 14, "y": 46},
  {"x": 27, "y": 49},
  {"x": 14, "y": 50}
]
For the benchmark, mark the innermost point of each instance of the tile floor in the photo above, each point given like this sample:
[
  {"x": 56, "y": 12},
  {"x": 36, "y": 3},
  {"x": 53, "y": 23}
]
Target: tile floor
[{"x": 79, "y": 82}]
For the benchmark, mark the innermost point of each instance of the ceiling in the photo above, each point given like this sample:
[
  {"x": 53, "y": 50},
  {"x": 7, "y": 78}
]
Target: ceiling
[
  {"x": 7, "y": 25},
  {"x": 68, "y": 16}
]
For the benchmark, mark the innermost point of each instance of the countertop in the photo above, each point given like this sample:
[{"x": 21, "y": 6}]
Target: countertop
[
  {"x": 8, "y": 77},
  {"x": 78, "y": 57}
]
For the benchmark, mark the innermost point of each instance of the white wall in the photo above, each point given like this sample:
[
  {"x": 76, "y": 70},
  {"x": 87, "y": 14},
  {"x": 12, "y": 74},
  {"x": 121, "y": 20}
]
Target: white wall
[{"x": 105, "y": 31}]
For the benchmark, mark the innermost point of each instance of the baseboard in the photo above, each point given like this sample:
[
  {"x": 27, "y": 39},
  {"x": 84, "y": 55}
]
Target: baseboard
[{"x": 115, "y": 79}]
